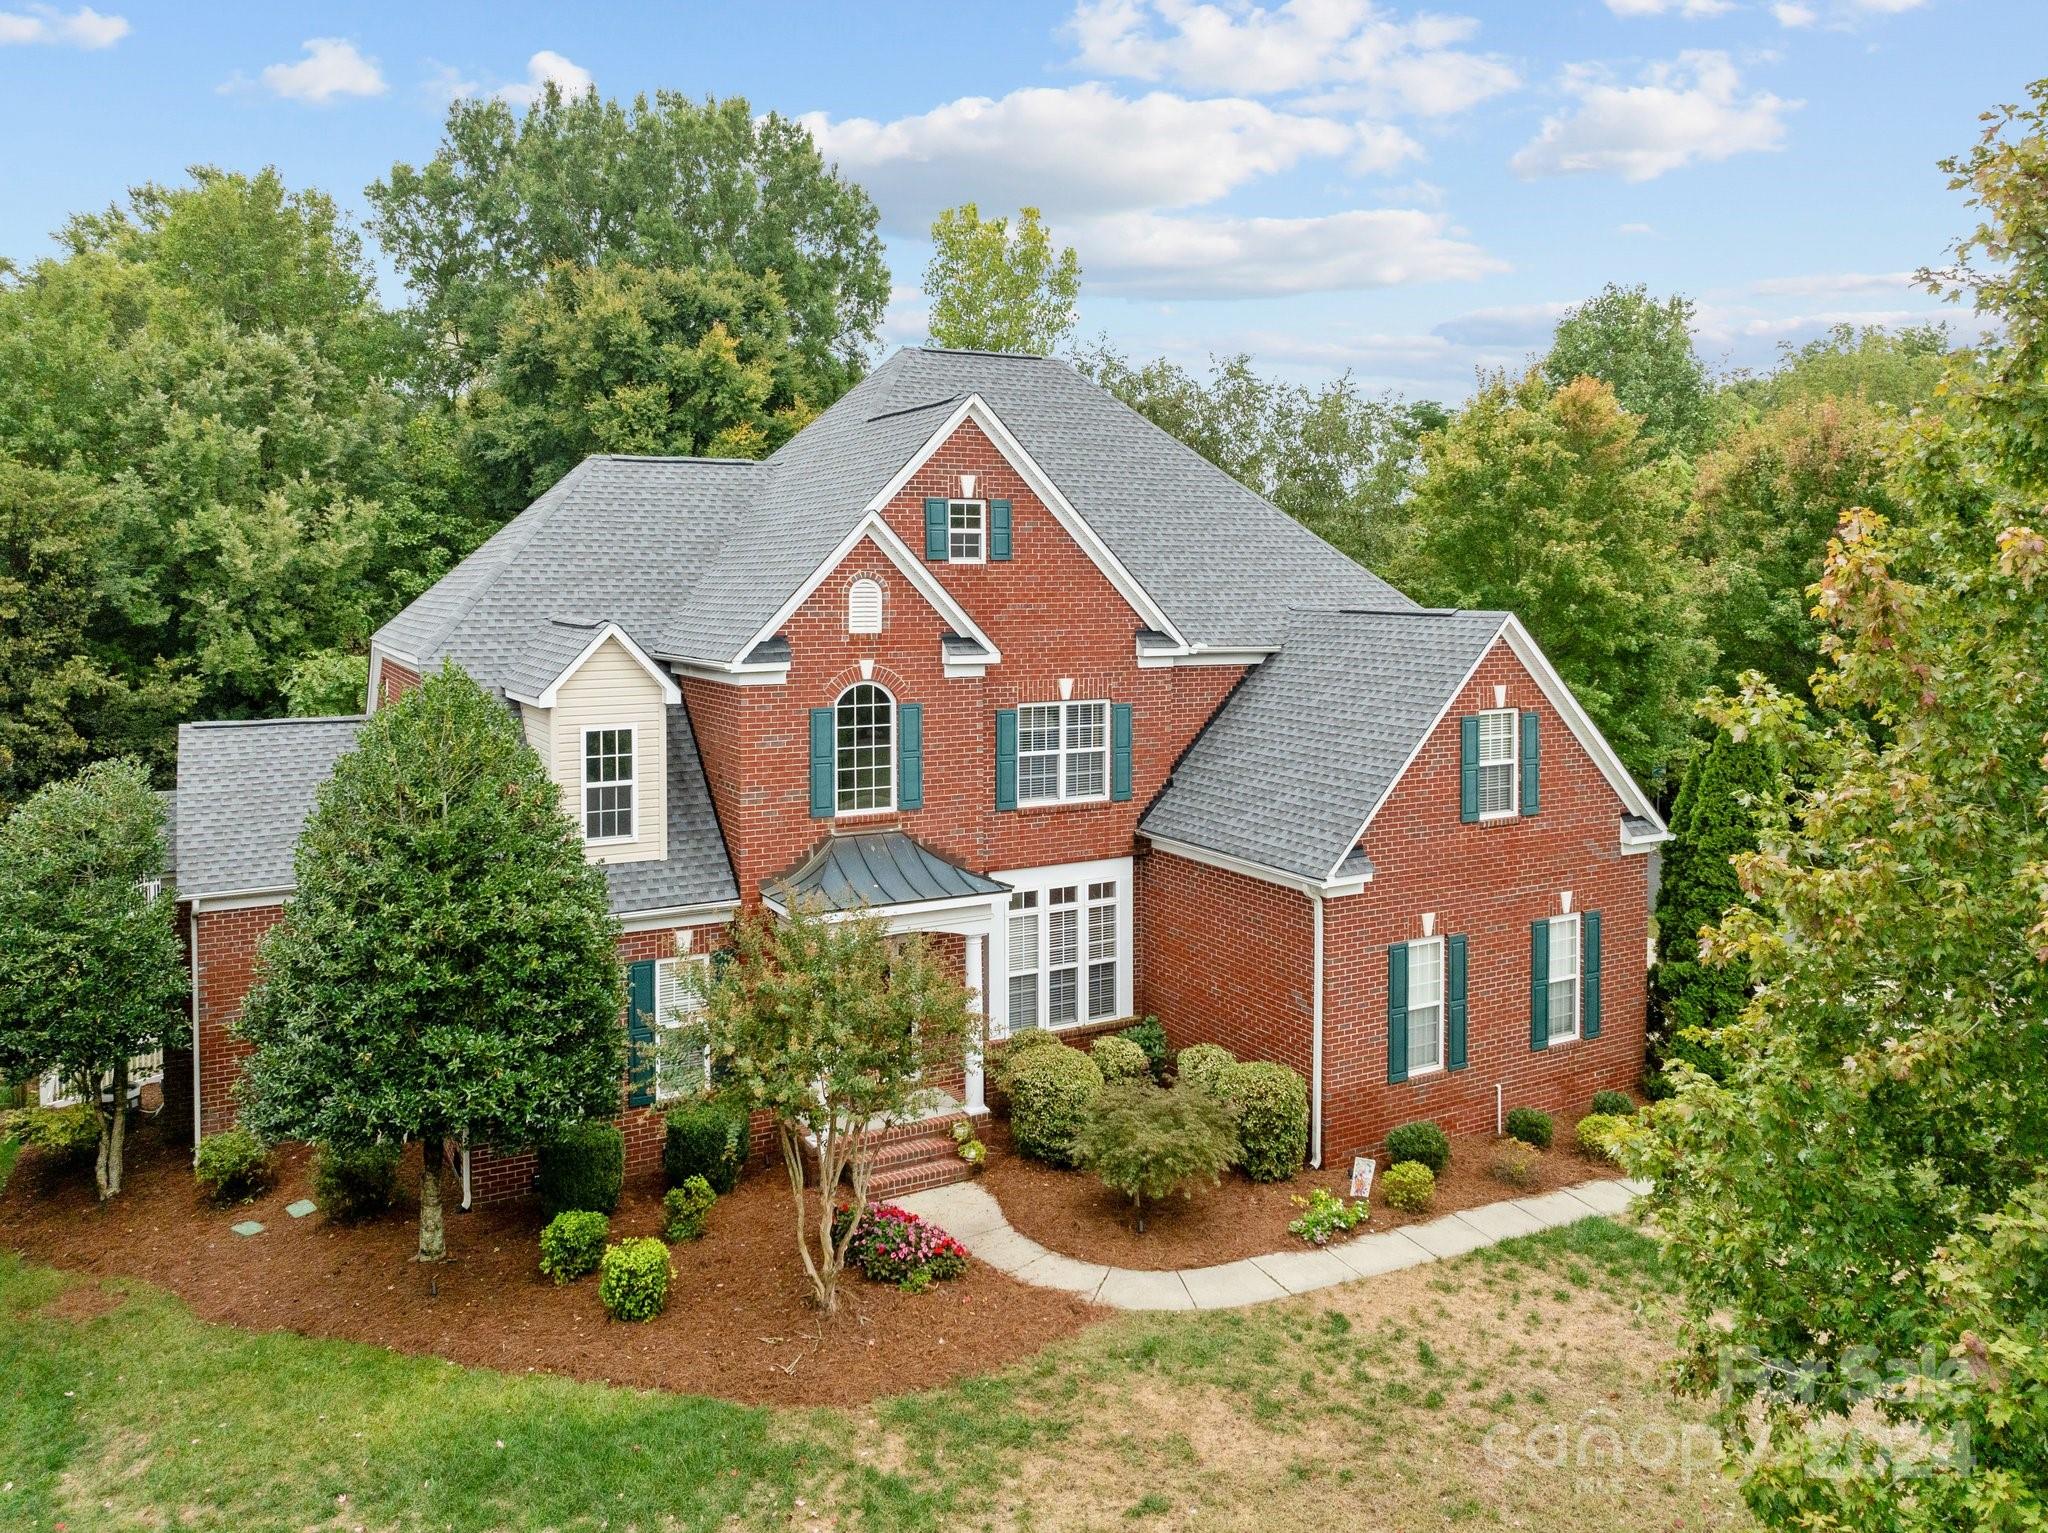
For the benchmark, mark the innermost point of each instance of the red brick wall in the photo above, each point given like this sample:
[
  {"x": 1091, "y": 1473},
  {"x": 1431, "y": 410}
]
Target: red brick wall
[
  {"x": 1053, "y": 615},
  {"x": 227, "y": 967},
  {"x": 394, "y": 681}
]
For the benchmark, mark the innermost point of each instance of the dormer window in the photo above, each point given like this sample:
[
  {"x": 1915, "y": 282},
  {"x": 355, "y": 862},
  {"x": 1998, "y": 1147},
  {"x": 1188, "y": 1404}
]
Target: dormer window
[
  {"x": 607, "y": 785},
  {"x": 966, "y": 531}
]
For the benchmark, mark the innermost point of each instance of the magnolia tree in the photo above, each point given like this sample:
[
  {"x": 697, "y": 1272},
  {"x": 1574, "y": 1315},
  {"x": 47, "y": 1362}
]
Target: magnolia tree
[
  {"x": 447, "y": 965},
  {"x": 832, "y": 1027},
  {"x": 90, "y": 972}
]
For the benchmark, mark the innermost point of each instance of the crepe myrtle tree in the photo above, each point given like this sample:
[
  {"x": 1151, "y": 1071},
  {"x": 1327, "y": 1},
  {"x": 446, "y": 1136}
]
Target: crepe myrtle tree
[
  {"x": 831, "y": 1026},
  {"x": 90, "y": 971},
  {"x": 446, "y": 967}
]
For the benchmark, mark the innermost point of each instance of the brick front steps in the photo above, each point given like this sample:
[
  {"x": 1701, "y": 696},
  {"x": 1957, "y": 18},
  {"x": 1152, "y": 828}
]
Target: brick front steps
[{"x": 913, "y": 1157}]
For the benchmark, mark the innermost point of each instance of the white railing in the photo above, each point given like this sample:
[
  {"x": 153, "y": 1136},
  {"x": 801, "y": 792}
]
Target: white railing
[{"x": 143, "y": 1070}]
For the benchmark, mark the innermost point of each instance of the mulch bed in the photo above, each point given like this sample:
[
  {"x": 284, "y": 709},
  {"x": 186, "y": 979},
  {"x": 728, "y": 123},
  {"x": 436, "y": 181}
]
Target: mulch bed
[
  {"x": 738, "y": 1323},
  {"x": 1073, "y": 1213}
]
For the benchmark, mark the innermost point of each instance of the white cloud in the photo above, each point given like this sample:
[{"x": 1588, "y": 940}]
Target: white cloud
[
  {"x": 83, "y": 28},
  {"x": 1075, "y": 152},
  {"x": 1692, "y": 10},
  {"x": 1256, "y": 50},
  {"x": 1521, "y": 324},
  {"x": 544, "y": 67},
  {"x": 1382, "y": 148},
  {"x": 1639, "y": 231},
  {"x": 1152, "y": 255},
  {"x": 1792, "y": 14},
  {"x": 1833, "y": 284},
  {"x": 1689, "y": 110},
  {"x": 332, "y": 67},
  {"x": 906, "y": 321}
]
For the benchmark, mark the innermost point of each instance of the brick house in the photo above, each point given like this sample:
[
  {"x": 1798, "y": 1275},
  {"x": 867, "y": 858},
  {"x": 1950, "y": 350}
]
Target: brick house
[{"x": 985, "y": 652}]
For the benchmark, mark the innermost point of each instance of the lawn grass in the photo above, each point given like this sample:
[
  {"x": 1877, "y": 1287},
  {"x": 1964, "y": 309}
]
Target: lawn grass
[
  {"x": 1362, "y": 1406},
  {"x": 10, "y": 1152}
]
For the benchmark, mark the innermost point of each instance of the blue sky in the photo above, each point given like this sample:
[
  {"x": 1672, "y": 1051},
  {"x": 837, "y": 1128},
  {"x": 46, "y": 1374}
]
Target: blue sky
[{"x": 1406, "y": 193}]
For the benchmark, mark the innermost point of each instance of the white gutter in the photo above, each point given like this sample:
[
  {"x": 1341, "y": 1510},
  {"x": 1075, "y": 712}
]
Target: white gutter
[{"x": 1315, "y": 1120}]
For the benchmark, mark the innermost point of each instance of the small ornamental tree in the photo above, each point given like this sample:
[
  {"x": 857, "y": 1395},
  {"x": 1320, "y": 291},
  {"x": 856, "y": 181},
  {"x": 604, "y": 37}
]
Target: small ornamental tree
[
  {"x": 447, "y": 964},
  {"x": 90, "y": 972},
  {"x": 831, "y": 1026},
  {"x": 1150, "y": 1143}
]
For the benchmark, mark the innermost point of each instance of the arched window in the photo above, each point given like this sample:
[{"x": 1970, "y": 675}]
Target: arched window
[
  {"x": 864, "y": 607},
  {"x": 866, "y": 758}
]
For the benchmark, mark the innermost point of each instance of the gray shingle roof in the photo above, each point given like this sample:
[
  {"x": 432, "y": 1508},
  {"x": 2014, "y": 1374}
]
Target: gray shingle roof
[
  {"x": 246, "y": 787},
  {"x": 875, "y": 869},
  {"x": 547, "y": 654},
  {"x": 1287, "y": 771},
  {"x": 693, "y": 556}
]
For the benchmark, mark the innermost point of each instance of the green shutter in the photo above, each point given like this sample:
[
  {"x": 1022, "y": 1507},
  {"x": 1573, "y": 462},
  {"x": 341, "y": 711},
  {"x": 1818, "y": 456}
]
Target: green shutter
[
  {"x": 999, "y": 529},
  {"x": 824, "y": 796},
  {"x": 935, "y": 530},
  {"x": 1589, "y": 974},
  {"x": 1454, "y": 1003},
  {"x": 910, "y": 755},
  {"x": 1006, "y": 758},
  {"x": 1539, "y": 985},
  {"x": 1532, "y": 769},
  {"x": 640, "y": 1034},
  {"x": 1468, "y": 768},
  {"x": 1397, "y": 1013},
  {"x": 1120, "y": 751}
]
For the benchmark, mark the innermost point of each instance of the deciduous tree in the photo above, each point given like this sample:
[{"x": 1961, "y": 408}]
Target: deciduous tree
[
  {"x": 996, "y": 288},
  {"x": 1642, "y": 349}
]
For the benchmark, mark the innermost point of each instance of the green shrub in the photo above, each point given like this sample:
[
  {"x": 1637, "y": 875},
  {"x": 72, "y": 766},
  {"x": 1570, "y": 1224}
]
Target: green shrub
[
  {"x": 231, "y": 1166},
  {"x": 583, "y": 1167},
  {"x": 69, "y": 1133},
  {"x": 1151, "y": 1037},
  {"x": 1271, "y": 1102},
  {"x": 1614, "y": 1104},
  {"x": 1051, "y": 1091},
  {"x": 1201, "y": 1063},
  {"x": 354, "y": 1184},
  {"x": 1514, "y": 1162},
  {"x": 1601, "y": 1135},
  {"x": 1020, "y": 1048},
  {"x": 1657, "y": 1086},
  {"x": 1119, "y": 1059},
  {"x": 1421, "y": 1141},
  {"x": 1324, "y": 1214},
  {"x": 1531, "y": 1126},
  {"x": 1149, "y": 1143},
  {"x": 573, "y": 1244},
  {"x": 1409, "y": 1186},
  {"x": 633, "y": 1283},
  {"x": 707, "y": 1137},
  {"x": 688, "y": 1209}
]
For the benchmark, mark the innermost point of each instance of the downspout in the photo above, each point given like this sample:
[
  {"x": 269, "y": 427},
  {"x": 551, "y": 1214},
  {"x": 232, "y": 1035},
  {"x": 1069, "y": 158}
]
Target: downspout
[
  {"x": 1315, "y": 1119},
  {"x": 192, "y": 917}
]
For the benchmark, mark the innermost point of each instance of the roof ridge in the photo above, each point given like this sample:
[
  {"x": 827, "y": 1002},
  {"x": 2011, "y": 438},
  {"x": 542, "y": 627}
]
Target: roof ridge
[
  {"x": 669, "y": 457},
  {"x": 981, "y": 351},
  {"x": 310, "y": 718}
]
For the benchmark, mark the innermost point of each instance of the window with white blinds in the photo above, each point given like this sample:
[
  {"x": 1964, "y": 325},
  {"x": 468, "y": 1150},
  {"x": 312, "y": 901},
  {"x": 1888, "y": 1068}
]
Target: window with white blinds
[{"x": 678, "y": 1003}]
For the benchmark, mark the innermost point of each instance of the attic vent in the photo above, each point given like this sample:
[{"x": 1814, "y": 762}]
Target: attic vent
[{"x": 864, "y": 607}]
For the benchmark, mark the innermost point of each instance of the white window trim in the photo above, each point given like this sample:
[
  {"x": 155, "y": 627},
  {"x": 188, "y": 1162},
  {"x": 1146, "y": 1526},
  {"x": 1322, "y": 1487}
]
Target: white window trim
[
  {"x": 1443, "y": 1005},
  {"x": 894, "y": 745},
  {"x": 633, "y": 782},
  {"x": 670, "y": 1022},
  {"x": 1064, "y": 751},
  {"x": 980, "y": 536},
  {"x": 1044, "y": 880},
  {"x": 1513, "y": 764},
  {"x": 1572, "y": 924}
]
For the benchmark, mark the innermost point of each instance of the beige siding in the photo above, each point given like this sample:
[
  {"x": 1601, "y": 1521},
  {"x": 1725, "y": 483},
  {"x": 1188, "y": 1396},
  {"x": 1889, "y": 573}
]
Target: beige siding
[
  {"x": 538, "y": 733},
  {"x": 609, "y": 691}
]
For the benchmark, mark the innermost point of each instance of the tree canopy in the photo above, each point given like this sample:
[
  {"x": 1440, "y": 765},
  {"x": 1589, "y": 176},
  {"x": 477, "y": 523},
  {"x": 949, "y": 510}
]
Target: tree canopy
[
  {"x": 997, "y": 288},
  {"x": 1642, "y": 349},
  {"x": 446, "y": 967}
]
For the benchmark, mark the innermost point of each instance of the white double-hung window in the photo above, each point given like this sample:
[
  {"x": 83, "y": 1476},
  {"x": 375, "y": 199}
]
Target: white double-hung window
[
  {"x": 966, "y": 531},
  {"x": 1062, "y": 752},
  {"x": 1563, "y": 1005},
  {"x": 1425, "y": 1005},
  {"x": 678, "y": 1002},
  {"x": 1069, "y": 945},
  {"x": 1497, "y": 731},
  {"x": 608, "y": 784}
]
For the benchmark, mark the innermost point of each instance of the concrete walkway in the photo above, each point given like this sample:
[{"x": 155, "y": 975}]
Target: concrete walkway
[{"x": 968, "y": 1213}]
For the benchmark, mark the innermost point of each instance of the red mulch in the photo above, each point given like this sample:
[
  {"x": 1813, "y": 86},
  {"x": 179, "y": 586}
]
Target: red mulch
[
  {"x": 738, "y": 1324},
  {"x": 1073, "y": 1213}
]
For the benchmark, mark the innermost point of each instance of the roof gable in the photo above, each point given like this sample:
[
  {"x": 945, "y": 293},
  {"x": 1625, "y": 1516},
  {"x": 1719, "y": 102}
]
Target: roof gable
[{"x": 561, "y": 648}]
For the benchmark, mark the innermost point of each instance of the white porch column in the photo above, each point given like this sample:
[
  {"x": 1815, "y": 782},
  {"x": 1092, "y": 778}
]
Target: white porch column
[{"x": 977, "y": 971}]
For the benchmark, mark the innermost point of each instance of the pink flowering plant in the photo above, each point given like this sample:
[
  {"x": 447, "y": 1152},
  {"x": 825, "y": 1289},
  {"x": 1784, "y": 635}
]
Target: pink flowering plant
[{"x": 893, "y": 1245}]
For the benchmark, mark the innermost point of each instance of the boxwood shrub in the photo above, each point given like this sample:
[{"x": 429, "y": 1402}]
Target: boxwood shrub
[
  {"x": 355, "y": 1184},
  {"x": 1531, "y": 1126},
  {"x": 1201, "y": 1063},
  {"x": 1600, "y": 1135},
  {"x": 1120, "y": 1059},
  {"x": 1020, "y": 1047},
  {"x": 707, "y": 1137},
  {"x": 1422, "y": 1142},
  {"x": 1614, "y": 1104},
  {"x": 573, "y": 1244},
  {"x": 1409, "y": 1186},
  {"x": 634, "y": 1277},
  {"x": 231, "y": 1166},
  {"x": 583, "y": 1167},
  {"x": 1051, "y": 1091},
  {"x": 687, "y": 1209},
  {"x": 1272, "y": 1117}
]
